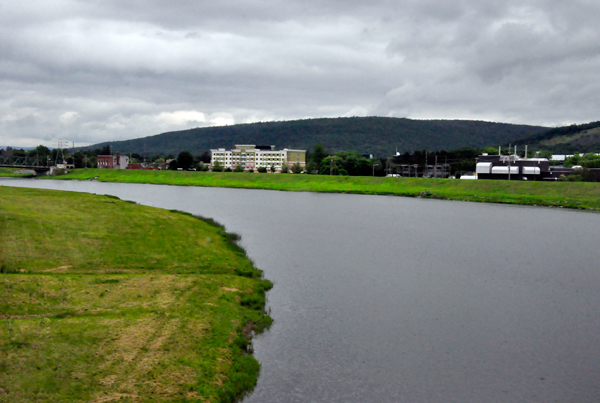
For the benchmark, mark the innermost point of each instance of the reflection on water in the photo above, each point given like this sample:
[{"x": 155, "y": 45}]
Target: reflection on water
[{"x": 388, "y": 299}]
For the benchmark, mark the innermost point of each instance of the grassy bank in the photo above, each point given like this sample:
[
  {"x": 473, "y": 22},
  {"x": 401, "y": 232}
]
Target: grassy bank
[
  {"x": 104, "y": 300},
  {"x": 13, "y": 173},
  {"x": 559, "y": 194}
]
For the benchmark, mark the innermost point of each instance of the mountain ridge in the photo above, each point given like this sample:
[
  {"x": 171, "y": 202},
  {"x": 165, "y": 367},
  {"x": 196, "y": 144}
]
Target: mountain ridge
[{"x": 380, "y": 136}]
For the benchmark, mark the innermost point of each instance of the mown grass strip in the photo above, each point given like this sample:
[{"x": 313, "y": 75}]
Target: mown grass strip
[
  {"x": 103, "y": 300},
  {"x": 577, "y": 195}
]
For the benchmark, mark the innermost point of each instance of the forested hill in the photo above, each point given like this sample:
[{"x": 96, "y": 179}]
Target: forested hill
[
  {"x": 582, "y": 138},
  {"x": 369, "y": 135}
]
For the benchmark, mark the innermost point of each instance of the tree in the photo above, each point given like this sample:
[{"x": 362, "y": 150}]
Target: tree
[
  {"x": 544, "y": 154},
  {"x": 296, "y": 168},
  {"x": 272, "y": 168},
  {"x": 312, "y": 168},
  {"x": 92, "y": 162},
  {"x": 204, "y": 157},
  {"x": 238, "y": 168},
  {"x": 153, "y": 157},
  {"x": 354, "y": 163},
  {"x": 173, "y": 165},
  {"x": 285, "y": 168},
  {"x": 40, "y": 151},
  {"x": 262, "y": 170},
  {"x": 331, "y": 166},
  {"x": 217, "y": 166},
  {"x": 18, "y": 152},
  {"x": 78, "y": 159},
  {"x": 318, "y": 154},
  {"x": 185, "y": 160}
]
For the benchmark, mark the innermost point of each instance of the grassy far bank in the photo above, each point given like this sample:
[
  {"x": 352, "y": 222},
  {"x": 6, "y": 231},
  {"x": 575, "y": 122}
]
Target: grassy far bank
[
  {"x": 12, "y": 172},
  {"x": 104, "y": 300},
  {"x": 578, "y": 195}
]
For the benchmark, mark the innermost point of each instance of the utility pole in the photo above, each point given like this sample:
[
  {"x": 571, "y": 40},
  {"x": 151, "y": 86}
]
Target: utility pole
[
  {"x": 509, "y": 147},
  {"x": 59, "y": 152},
  {"x": 446, "y": 167}
]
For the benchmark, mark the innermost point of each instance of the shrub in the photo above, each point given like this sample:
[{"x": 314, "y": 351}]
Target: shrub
[{"x": 217, "y": 167}]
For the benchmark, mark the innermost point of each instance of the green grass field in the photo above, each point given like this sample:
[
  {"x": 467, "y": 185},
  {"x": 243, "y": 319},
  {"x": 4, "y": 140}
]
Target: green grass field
[
  {"x": 103, "y": 300},
  {"x": 577, "y": 195}
]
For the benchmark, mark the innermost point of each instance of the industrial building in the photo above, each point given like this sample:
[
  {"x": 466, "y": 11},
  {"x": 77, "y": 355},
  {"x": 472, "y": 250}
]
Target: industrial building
[{"x": 512, "y": 167}]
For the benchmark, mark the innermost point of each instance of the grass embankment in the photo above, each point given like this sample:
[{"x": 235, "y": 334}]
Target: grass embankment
[
  {"x": 578, "y": 195},
  {"x": 104, "y": 300},
  {"x": 12, "y": 173}
]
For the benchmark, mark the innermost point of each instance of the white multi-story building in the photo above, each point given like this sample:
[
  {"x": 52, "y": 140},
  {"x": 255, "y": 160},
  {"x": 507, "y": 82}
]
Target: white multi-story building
[{"x": 251, "y": 157}]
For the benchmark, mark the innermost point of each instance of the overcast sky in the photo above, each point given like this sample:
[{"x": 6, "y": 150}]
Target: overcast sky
[{"x": 88, "y": 71}]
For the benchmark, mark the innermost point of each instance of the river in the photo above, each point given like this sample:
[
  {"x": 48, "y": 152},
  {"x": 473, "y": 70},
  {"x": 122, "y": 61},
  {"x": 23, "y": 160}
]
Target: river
[{"x": 391, "y": 299}]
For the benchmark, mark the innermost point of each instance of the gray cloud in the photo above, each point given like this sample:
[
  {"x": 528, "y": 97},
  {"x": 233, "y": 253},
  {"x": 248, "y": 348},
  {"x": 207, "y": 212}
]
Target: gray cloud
[{"x": 96, "y": 70}]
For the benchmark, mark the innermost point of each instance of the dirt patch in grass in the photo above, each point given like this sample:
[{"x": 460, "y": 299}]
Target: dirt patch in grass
[
  {"x": 230, "y": 289},
  {"x": 61, "y": 269}
]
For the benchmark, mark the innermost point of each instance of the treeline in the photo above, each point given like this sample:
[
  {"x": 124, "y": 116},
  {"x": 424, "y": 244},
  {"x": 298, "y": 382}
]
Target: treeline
[
  {"x": 589, "y": 160},
  {"x": 319, "y": 160},
  {"x": 89, "y": 158},
  {"x": 46, "y": 156},
  {"x": 352, "y": 163}
]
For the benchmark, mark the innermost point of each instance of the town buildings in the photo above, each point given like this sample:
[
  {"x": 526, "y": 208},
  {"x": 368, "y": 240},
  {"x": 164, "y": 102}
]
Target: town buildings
[
  {"x": 113, "y": 161},
  {"x": 251, "y": 157}
]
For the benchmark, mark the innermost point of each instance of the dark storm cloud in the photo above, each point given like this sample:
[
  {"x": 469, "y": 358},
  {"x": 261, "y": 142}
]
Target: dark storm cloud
[{"x": 90, "y": 71}]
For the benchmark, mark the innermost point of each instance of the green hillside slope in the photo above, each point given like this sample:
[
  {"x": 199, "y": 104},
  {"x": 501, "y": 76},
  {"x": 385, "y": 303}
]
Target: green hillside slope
[
  {"x": 582, "y": 138},
  {"x": 374, "y": 135}
]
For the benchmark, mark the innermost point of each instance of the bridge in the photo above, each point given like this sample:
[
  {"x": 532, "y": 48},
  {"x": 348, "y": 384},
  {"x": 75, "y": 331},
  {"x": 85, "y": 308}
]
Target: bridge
[{"x": 34, "y": 163}]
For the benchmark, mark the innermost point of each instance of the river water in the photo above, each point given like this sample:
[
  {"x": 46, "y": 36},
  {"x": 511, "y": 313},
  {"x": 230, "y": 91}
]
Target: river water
[{"x": 390, "y": 299}]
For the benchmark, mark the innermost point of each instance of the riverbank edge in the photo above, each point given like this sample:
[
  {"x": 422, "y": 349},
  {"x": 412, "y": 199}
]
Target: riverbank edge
[
  {"x": 245, "y": 369},
  {"x": 570, "y": 195},
  {"x": 244, "y": 375}
]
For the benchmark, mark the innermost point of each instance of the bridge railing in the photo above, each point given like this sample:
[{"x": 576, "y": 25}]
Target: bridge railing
[{"x": 24, "y": 162}]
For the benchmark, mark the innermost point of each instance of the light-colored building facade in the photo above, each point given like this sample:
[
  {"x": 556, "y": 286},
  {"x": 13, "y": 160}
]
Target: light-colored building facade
[{"x": 251, "y": 157}]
